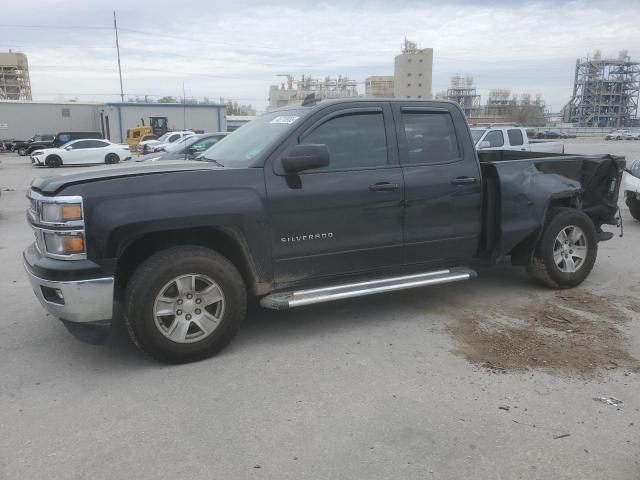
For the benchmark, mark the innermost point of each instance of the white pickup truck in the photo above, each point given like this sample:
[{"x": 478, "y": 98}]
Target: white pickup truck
[{"x": 511, "y": 138}]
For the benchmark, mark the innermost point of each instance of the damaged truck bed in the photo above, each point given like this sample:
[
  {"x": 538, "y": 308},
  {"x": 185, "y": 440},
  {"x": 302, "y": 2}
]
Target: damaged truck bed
[{"x": 521, "y": 187}]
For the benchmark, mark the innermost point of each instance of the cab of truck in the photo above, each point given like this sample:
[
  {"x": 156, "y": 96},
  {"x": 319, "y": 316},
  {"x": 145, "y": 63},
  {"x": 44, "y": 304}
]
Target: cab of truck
[{"x": 510, "y": 137}]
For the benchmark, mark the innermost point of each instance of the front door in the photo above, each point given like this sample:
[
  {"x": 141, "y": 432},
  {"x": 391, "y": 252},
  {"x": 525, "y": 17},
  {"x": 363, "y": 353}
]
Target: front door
[
  {"x": 344, "y": 218},
  {"x": 442, "y": 218},
  {"x": 78, "y": 153}
]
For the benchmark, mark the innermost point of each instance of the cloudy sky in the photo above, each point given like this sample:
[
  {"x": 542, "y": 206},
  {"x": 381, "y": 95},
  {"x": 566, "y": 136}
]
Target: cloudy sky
[{"x": 236, "y": 49}]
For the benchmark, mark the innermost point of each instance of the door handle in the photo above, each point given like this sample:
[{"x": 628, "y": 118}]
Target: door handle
[
  {"x": 382, "y": 186},
  {"x": 463, "y": 180}
]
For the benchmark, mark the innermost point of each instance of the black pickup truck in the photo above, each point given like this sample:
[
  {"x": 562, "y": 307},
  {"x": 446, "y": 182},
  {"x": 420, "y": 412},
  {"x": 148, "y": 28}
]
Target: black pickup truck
[
  {"x": 320, "y": 202},
  {"x": 34, "y": 143}
]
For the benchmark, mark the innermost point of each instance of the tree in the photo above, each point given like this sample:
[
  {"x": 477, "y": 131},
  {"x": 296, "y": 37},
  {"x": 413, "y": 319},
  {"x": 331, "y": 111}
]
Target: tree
[
  {"x": 233, "y": 108},
  {"x": 168, "y": 99}
]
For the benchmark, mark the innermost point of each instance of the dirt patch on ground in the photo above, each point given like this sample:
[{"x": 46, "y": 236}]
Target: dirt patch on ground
[{"x": 573, "y": 332}]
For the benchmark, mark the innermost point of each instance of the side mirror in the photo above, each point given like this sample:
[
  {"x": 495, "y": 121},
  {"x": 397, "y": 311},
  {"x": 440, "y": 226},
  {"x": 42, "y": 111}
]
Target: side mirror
[
  {"x": 484, "y": 144},
  {"x": 305, "y": 157}
]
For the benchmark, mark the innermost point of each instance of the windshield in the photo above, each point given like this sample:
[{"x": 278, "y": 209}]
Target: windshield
[
  {"x": 243, "y": 146},
  {"x": 477, "y": 133},
  {"x": 635, "y": 168},
  {"x": 184, "y": 142}
]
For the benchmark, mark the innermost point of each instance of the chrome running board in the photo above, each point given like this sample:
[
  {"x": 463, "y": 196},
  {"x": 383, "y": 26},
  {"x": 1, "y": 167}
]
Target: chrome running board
[{"x": 290, "y": 299}]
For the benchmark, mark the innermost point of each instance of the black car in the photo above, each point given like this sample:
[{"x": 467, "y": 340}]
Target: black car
[
  {"x": 8, "y": 143},
  {"x": 36, "y": 142},
  {"x": 550, "y": 134},
  {"x": 187, "y": 148},
  {"x": 63, "y": 137}
]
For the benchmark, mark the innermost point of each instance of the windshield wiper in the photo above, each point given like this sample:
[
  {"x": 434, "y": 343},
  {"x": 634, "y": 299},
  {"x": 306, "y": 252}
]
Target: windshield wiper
[{"x": 212, "y": 160}]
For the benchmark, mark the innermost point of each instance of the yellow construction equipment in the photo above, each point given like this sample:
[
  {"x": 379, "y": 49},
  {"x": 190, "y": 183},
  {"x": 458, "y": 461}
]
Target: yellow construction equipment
[{"x": 157, "y": 127}]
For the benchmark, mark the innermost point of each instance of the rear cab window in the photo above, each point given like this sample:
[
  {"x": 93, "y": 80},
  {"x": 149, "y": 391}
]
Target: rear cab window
[
  {"x": 515, "y": 137},
  {"x": 431, "y": 137}
]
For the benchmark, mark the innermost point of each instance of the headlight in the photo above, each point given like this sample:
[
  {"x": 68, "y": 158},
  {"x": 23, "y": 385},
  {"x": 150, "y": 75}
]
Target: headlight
[
  {"x": 64, "y": 243},
  {"x": 61, "y": 212},
  {"x": 58, "y": 223}
]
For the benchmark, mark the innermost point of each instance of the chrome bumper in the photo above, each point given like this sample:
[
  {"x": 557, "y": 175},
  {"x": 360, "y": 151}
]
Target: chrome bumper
[{"x": 77, "y": 301}]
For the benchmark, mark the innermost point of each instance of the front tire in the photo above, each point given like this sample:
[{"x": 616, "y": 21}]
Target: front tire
[
  {"x": 22, "y": 151},
  {"x": 184, "y": 304},
  {"x": 567, "y": 250},
  {"x": 53, "y": 161},
  {"x": 634, "y": 205}
]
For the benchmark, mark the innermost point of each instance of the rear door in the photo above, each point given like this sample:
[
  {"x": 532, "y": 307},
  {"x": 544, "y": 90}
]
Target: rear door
[
  {"x": 442, "y": 216},
  {"x": 97, "y": 151},
  {"x": 344, "y": 218}
]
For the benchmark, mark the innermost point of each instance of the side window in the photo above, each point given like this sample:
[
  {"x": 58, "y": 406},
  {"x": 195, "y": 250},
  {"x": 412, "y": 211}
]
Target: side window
[
  {"x": 96, "y": 144},
  {"x": 431, "y": 137},
  {"x": 515, "y": 137},
  {"x": 354, "y": 141},
  {"x": 202, "y": 145},
  {"x": 173, "y": 138},
  {"x": 64, "y": 138},
  {"x": 495, "y": 138},
  {"x": 82, "y": 144}
]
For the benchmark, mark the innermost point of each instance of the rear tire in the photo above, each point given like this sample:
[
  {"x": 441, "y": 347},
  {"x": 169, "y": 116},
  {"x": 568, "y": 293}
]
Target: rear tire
[
  {"x": 53, "y": 161},
  {"x": 111, "y": 159},
  {"x": 161, "y": 316},
  {"x": 567, "y": 250},
  {"x": 634, "y": 206}
]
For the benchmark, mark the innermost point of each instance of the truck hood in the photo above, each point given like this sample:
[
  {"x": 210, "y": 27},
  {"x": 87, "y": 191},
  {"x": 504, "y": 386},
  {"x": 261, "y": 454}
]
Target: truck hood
[{"x": 52, "y": 185}]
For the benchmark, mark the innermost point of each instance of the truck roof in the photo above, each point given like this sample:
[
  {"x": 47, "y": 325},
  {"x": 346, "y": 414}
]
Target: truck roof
[{"x": 335, "y": 101}]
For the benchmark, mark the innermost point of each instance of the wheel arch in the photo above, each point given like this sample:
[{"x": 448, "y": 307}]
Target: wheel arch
[
  {"x": 228, "y": 242},
  {"x": 522, "y": 253},
  {"x": 53, "y": 155}
]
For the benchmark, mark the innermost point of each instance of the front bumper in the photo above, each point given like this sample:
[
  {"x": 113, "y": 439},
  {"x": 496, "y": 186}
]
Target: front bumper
[
  {"x": 35, "y": 161},
  {"x": 78, "y": 301},
  {"x": 631, "y": 184}
]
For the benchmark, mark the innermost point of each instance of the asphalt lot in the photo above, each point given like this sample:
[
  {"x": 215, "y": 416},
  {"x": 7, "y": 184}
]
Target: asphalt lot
[{"x": 492, "y": 378}]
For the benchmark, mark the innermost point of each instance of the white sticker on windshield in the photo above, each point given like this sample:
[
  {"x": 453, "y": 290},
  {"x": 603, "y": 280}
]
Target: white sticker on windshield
[{"x": 289, "y": 119}]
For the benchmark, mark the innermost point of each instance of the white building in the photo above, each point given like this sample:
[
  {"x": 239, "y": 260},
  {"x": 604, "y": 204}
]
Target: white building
[
  {"x": 413, "y": 72},
  {"x": 115, "y": 118},
  {"x": 379, "y": 86},
  {"x": 21, "y": 120}
]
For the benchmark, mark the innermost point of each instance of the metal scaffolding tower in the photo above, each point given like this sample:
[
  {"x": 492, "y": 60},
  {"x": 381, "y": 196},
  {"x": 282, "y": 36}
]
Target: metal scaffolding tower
[
  {"x": 463, "y": 92},
  {"x": 605, "y": 92},
  {"x": 14, "y": 77}
]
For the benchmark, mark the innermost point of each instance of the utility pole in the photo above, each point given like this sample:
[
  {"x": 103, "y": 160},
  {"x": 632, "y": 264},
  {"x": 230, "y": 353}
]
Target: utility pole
[
  {"x": 184, "y": 106},
  {"x": 115, "y": 26}
]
